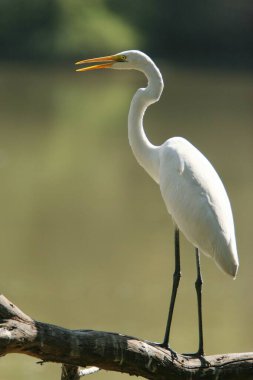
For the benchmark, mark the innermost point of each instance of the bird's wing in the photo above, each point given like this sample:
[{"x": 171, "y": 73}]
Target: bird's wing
[{"x": 196, "y": 199}]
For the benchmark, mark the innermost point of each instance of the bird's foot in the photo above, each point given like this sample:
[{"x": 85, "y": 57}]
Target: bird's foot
[
  {"x": 167, "y": 347},
  {"x": 198, "y": 355}
]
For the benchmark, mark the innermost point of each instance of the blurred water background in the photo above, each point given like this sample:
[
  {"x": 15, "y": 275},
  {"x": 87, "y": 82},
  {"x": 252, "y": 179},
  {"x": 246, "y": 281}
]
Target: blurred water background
[{"x": 85, "y": 239}]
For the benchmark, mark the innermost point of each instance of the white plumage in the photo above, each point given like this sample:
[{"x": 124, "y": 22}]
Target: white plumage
[
  {"x": 197, "y": 201},
  {"x": 192, "y": 190}
]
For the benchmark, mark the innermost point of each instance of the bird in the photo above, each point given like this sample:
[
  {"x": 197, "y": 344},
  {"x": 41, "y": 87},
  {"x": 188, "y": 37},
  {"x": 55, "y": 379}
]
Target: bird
[{"x": 193, "y": 192}]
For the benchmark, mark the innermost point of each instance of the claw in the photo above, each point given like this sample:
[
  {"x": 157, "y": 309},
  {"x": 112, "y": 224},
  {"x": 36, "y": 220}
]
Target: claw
[{"x": 167, "y": 347}]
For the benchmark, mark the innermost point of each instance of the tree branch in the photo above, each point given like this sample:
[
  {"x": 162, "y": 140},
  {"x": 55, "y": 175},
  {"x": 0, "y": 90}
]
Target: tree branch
[{"x": 110, "y": 351}]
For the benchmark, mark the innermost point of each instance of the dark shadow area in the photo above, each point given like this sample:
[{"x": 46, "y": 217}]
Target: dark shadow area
[{"x": 201, "y": 33}]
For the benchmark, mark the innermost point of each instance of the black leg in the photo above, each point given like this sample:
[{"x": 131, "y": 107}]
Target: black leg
[
  {"x": 176, "y": 279},
  {"x": 198, "y": 286}
]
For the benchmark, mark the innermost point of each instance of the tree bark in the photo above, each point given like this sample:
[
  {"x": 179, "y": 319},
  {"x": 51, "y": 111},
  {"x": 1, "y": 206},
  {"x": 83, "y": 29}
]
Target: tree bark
[{"x": 110, "y": 351}]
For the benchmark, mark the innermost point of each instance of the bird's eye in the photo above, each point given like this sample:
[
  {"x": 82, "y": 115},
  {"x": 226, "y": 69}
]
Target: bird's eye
[{"x": 121, "y": 58}]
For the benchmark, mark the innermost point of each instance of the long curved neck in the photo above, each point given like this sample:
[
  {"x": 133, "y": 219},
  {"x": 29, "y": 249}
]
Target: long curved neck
[{"x": 146, "y": 153}]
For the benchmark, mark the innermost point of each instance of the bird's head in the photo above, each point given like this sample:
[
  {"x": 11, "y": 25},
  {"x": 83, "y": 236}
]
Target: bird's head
[{"x": 126, "y": 60}]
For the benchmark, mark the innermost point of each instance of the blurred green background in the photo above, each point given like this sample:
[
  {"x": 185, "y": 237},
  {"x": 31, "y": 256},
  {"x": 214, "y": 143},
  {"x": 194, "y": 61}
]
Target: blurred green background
[{"x": 85, "y": 239}]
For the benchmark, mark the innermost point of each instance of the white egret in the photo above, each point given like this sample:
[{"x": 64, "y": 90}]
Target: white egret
[{"x": 192, "y": 190}]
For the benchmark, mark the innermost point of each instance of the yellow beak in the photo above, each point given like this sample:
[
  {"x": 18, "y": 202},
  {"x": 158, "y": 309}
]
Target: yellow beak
[{"x": 108, "y": 62}]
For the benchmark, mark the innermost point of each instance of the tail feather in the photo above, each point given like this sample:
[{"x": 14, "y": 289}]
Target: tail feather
[{"x": 226, "y": 257}]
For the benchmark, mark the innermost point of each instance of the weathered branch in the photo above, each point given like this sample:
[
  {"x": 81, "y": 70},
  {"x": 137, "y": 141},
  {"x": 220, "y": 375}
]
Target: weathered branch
[
  {"x": 70, "y": 372},
  {"x": 110, "y": 351}
]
